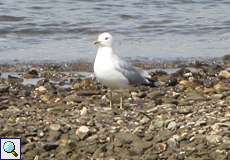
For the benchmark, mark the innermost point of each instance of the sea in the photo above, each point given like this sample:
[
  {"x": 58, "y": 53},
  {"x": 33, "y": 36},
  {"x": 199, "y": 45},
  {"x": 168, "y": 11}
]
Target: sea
[{"x": 64, "y": 30}]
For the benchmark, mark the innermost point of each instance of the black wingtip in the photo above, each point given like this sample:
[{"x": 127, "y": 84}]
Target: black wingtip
[{"x": 151, "y": 83}]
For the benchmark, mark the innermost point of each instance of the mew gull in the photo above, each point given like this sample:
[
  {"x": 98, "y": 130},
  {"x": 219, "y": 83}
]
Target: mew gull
[{"x": 114, "y": 72}]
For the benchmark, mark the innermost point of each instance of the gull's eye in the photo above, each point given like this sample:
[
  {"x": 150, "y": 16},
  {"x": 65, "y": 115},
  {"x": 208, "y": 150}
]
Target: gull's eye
[{"x": 106, "y": 38}]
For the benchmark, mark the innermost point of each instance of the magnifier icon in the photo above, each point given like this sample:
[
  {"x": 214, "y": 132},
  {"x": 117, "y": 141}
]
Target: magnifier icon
[{"x": 9, "y": 147}]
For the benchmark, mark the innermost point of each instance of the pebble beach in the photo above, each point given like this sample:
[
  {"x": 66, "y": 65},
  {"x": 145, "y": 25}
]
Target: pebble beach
[{"x": 61, "y": 112}]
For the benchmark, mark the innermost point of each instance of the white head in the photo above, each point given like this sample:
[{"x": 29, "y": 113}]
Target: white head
[{"x": 104, "y": 40}]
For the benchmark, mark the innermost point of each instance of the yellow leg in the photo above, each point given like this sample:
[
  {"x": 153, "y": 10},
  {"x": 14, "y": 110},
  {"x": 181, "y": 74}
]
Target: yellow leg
[{"x": 110, "y": 99}]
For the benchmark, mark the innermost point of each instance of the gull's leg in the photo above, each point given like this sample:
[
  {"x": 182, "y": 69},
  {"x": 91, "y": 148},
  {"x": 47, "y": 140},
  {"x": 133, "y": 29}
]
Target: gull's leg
[
  {"x": 110, "y": 99},
  {"x": 132, "y": 99},
  {"x": 121, "y": 102}
]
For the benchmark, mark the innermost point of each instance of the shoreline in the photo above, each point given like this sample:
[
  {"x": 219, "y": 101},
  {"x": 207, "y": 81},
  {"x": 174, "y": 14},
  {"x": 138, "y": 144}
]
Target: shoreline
[{"x": 87, "y": 65}]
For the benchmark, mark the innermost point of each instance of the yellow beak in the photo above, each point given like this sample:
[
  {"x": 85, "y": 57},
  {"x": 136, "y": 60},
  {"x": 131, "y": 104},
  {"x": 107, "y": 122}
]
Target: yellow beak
[{"x": 96, "y": 42}]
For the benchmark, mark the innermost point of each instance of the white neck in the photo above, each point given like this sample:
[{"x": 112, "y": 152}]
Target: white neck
[
  {"x": 103, "y": 56},
  {"x": 104, "y": 51}
]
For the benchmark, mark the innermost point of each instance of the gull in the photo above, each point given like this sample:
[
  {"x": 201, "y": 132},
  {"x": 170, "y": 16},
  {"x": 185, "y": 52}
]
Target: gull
[{"x": 114, "y": 72}]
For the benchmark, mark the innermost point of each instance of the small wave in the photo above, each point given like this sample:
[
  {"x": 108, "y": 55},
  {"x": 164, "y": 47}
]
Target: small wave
[
  {"x": 39, "y": 7},
  {"x": 5, "y": 18},
  {"x": 127, "y": 17}
]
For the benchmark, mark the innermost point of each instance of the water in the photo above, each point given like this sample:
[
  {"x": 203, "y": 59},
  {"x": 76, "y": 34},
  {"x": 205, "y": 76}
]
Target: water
[{"x": 64, "y": 30}]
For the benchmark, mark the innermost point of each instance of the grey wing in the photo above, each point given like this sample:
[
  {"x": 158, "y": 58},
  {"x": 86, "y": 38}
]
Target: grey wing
[{"x": 133, "y": 75}]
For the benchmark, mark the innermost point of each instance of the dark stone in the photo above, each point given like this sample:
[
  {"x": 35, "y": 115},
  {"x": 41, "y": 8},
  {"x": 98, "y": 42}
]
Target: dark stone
[
  {"x": 50, "y": 146},
  {"x": 4, "y": 88},
  {"x": 88, "y": 93},
  {"x": 14, "y": 79},
  {"x": 32, "y": 73}
]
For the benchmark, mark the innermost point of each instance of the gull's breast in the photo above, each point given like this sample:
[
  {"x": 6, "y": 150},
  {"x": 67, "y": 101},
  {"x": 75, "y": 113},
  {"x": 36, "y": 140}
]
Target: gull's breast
[{"x": 106, "y": 73}]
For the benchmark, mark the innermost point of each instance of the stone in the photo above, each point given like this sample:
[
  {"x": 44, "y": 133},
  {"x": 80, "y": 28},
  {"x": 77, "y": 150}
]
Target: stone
[
  {"x": 142, "y": 95},
  {"x": 32, "y": 73},
  {"x": 74, "y": 98},
  {"x": 213, "y": 139},
  {"x": 162, "y": 135},
  {"x": 220, "y": 87},
  {"x": 224, "y": 74},
  {"x": 125, "y": 138},
  {"x": 185, "y": 110},
  {"x": 144, "y": 120},
  {"x": 87, "y": 93},
  {"x": 201, "y": 123},
  {"x": 41, "y": 89},
  {"x": 82, "y": 132},
  {"x": 155, "y": 94},
  {"x": 55, "y": 127},
  {"x": 14, "y": 79},
  {"x": 173, "y": 142},
  {"x": 167, "y": 106},
  {"x": 160, "y": 147},
  {"x": 156, "y": 124},
  {"x": 84, "y": 111},
  {"x": 50, "y": 146},
  {"x": 139, "y": 147},
  {"x": 4, "y": 88},
  {"x": 217, "y": 96},
  {"x": 172, "y": 125},
  {"x": 226, "y": 58},
  {"x": 185, "y": 83}
]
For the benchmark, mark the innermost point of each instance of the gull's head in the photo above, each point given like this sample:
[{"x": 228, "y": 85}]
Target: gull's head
[{"x": 104, "y": 40}]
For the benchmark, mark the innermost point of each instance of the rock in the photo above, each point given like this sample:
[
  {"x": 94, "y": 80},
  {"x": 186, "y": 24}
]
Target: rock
[
  {"x": 185, "y": 83},
  {"x": 92, "y": 138},
  {"x": 142, "y": 95},
  {"x": 82, "y": 132},
  {"x": 74, "y": 98},
  {"x": 4, "y": 88},
  {"x": 144, "y": 120},
  {"x": 32, "y": 73},
  {"x": 156, "y": 124},
  {"x": 172, "y": 125},
  {"x": 125, "y": 138},
  {"x": 150, "y": 156},
  {"x": 167, "y": 106},
  {"x": 41, "y": 89},
  {"x": 14, "y": 79},
  {"x": 188, "y": 74},
  {"x": 217, "y": 96},
  {"x": 137, "y": 145},
  {"x": 155, "y": 94},
  {"x": 55, "y": 127},
  {"x": 224, "y": 74},
  {"x": 173, "y": 142},
  {"x": 172, "y": 81},
  {"x": 213, "y": 139},
  {"x": 194, "y": 96},
  {"x": 50, "y": 146},
  {"x": 201, "y": 123},
  {"x": 87, "y": 93},
  {"x": 83, "y": 111},
  {"x": 160, "y": 147},
  {"x": 219, "y": 154},
  {"x": 28, "y": 147},
  {"x": 184, "y": 110},
  {"x": 226, "y": 58},
  {"x": 220, "y": 87},
  {"x": 162, "y": 135}
]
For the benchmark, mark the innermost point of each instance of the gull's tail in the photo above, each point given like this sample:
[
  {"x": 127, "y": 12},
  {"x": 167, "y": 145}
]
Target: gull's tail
[{"x": 149, "y": 82}]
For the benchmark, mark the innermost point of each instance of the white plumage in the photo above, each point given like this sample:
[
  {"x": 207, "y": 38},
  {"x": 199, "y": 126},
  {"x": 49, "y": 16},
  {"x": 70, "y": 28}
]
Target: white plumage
[{"x": 111, "y": 70}]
